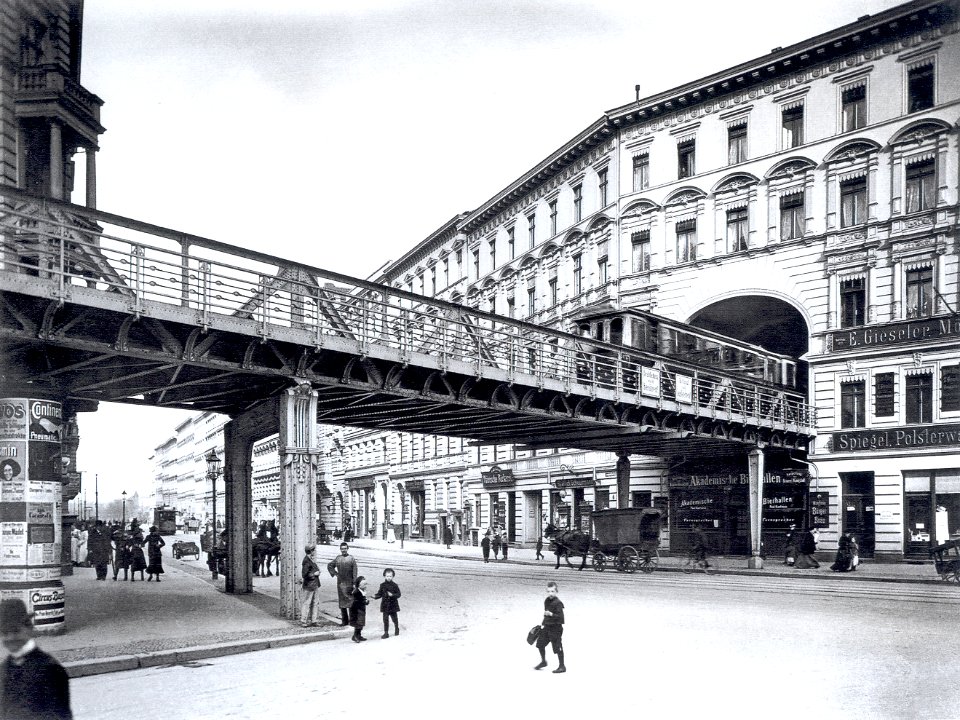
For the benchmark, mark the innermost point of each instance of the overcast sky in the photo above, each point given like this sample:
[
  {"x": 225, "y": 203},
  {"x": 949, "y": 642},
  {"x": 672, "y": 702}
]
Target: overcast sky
[{"x": 341, "y": 134}]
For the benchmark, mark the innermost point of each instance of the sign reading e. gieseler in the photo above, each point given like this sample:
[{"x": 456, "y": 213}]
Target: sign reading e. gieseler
[
  {"x": 896, "y": 333},
  {"x": 900, "y": 438}
]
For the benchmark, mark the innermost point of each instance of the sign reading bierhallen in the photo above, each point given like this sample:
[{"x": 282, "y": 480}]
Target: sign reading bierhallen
[{"x": 898, "y": 438}]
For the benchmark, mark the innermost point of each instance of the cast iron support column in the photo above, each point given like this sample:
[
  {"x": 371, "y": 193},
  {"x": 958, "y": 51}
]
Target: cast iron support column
[
  {"x": 239, "y": 435},
  {"x": 623, "y": 480},
  {"x": 91, "y": 157},
  {"x": 755, "y": 465},
  {"x": 300, "y": 465}
]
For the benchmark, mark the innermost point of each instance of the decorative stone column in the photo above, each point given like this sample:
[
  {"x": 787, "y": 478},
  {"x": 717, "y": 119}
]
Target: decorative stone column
[
  {"x": 300, "y": 465},
  {"x": 755, "y": 467}
]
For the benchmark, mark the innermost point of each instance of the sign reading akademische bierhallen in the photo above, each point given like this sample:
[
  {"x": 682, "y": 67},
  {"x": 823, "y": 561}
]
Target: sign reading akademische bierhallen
[{"x": 898, "y": 438}]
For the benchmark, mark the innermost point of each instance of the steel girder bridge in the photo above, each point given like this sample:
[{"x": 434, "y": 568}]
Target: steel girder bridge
[
  {"x": 117, "y": 310},
  {"x": 113, "y": 309}
]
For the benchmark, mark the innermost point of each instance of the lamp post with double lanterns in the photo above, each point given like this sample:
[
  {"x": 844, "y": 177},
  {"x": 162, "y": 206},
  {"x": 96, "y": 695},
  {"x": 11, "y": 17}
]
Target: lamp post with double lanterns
[
  {"x": 213, "y": 469},
  {"x": 123, "y": 522}
]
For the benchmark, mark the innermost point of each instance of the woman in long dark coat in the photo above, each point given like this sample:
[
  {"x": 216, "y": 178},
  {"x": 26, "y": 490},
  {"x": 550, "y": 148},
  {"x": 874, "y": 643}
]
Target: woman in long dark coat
[
  {"x": 154, "y": 558},
  {"x": 134, "y": 541}
]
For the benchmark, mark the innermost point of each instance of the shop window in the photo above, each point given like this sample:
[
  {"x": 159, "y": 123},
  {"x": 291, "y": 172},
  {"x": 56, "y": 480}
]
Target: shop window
[
  {"x": 921, "y": 186},
  {"x": 686, "y": 241},
  {"x": 919, "y": 398},
  {"x": 686, "y": 159},
  {"x": 853, "y": 302},
  {"x": 920, "y": 88},
  {"x": 601, "y": 498},
  {"x": 853, "y": 202},
  {"x": 792, "y": 219},
  {"x": 853, "y": 107},
  {"x": 641, "y": 172},
  {"x": 737, "y": 229},
  {"x": 919, "y": 286},
  {"x": 792, "y": 126},
  {"x": 884, "y": 394},
  {"x": 736, "y": 144},
  {"x": 640, "y": 251},
  {"x": 852, "y": 404},
  {"x": 950, "y": 388}
]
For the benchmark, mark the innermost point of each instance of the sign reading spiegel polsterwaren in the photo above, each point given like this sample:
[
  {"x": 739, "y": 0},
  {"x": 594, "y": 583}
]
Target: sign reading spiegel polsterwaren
[
  {"x": 896, "y": 334},
  {"x": 898, "y": 438}
]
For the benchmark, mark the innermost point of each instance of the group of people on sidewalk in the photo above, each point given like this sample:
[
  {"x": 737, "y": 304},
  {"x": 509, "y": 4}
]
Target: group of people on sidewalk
[
  {"x": 801, "y": 547},
  {"x": 124, "y": 548},
  {"x": 494, "y": 541},
  {"x": 351, "y": 593}
]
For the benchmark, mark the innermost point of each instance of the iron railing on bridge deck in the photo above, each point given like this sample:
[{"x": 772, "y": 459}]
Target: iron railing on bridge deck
[{"x": 65, "y": 246}]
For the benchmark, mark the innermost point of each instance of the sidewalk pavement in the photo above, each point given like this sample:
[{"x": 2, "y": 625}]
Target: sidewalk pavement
[{"x": 112, "y": 626}]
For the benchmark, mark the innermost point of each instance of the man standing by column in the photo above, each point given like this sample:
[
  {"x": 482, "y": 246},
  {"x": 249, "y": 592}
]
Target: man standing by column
[
  {"x": 100, "y": 549},
  {"x": 310, "y": 604},
  {"x": 344, "y": 568}
]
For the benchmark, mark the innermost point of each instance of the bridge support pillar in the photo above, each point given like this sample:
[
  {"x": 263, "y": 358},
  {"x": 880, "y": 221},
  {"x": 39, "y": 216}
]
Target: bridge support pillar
[
  {"x": 623, "y": 480},
  {"x": 299, "y": 466},
  {"x": 239, "y": 435},
  {"x": 755, "y": 467}
]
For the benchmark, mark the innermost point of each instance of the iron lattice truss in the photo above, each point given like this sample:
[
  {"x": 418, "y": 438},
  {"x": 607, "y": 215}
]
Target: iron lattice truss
[{"x": 109, "y": 318}]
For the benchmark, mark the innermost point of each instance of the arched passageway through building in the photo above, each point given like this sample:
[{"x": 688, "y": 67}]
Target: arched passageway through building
[{"x": 769, "y": 322}]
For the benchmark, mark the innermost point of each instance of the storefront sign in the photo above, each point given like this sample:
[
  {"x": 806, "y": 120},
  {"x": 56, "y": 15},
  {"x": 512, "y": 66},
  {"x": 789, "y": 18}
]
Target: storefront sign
[
  {"x": 361, "y": 483},
  {"x": 684, "y": 389},
  {"x": 575, "y": 481},
  {"x": 495, "y": 477},
  {"x": 895, "y": 334},
  {"x": 820, "y": 509},
  {"x": 685, "y": 481},
  {"x": 902, "y": 438}
]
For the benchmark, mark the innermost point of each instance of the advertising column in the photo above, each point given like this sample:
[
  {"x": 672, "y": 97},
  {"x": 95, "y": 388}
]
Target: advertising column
[{"x": 30, "y": 498}]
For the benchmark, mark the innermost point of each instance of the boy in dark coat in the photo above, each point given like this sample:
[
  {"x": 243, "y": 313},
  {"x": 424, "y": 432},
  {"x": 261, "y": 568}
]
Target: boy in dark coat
[
  {"x": 34, "y": 684},
  {"x": 485, "y": 547},
  {"x": 540, "y": 548},
  {"x": 552, "y": 629},
  {"x": 388, "y": 593},
  {"x": 358, "y": 608}
]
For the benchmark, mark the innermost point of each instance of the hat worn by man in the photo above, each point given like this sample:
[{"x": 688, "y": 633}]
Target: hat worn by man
[{"x": 14, "y": 615}]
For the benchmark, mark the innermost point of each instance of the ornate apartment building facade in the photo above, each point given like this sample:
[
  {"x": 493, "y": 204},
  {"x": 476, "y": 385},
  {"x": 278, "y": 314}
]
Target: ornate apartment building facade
[{"x": 806, "y": 202}]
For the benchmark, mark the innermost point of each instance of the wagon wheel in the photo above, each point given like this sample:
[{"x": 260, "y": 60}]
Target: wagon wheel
[
  {"x": 599, "y": 561},
  {"x": 628, "y": 559},
  {"x": 649, "y": 561}
]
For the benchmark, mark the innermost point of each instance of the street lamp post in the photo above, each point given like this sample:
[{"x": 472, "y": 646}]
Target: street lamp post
[
  {"x": 96, "y": 496},
  {"x": 213, "y": 469},
  {"x": 124, "y": 521}
]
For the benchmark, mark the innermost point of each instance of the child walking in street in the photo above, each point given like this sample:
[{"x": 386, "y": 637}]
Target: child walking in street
[
  {"x": 552, "y": 629},
  {"x": 358, "y": 608},
  {"x": 540, "y": 548},
  {"x": 388, "y": 593}
]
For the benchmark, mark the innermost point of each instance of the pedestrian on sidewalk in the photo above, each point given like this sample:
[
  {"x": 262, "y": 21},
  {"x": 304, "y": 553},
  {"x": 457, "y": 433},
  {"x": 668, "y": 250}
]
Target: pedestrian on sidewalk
[
  {"x": 447, "y": 536},
  {"x": 100, "y": 550},
  {"x": 551, "y": 632},
  {"x": 505, "y": 546},
  {"x": 310, "y": 575},
  {"x": 805, "y": 552},
  {"x": 790, "y": 548},
  {"x": 495, "y": 544},
  {"x": 154, "y": 542},
  {"x": 485, "y": 547},
  {"x": 138, "y": 562},
  {"x": 843, "y": 560},
  {"x": 34, "y": 684},
  {"x": 358, "y": 609},
  {"x": 854, "y": 553},
  {"x": 387, "y": 593},
  {"x": 540, "y": 548},
  {"x": 121, "y": 553},
  {"x": 344, "y": 569}
]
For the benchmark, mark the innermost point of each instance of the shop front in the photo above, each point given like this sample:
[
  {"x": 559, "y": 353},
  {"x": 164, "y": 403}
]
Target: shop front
[
  {"x": 498, "y": 484},
  {"x": 718, "y": 502},
  {"x": 416, "y": 514},
  {"x": 931, "y": 509}
]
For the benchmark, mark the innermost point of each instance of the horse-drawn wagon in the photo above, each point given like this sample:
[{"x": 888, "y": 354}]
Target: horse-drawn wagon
[{"x": 627, "y": 539}]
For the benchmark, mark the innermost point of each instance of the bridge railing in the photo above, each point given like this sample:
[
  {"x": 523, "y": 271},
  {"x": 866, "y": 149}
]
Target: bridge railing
[{"x": 68, "y": 246}]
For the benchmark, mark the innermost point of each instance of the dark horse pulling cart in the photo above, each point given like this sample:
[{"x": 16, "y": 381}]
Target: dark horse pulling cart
[{"x": 626, "y": 538}]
